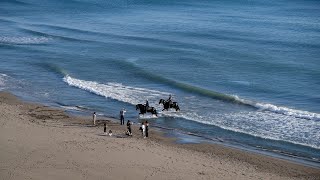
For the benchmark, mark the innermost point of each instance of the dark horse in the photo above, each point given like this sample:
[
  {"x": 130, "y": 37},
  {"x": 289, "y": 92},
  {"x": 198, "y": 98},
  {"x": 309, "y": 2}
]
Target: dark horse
[
  {"x": 167, "y": 105},
  {"x": 144, "y": 110}
]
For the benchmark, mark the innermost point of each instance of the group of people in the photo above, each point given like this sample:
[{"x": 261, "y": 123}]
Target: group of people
[
  {"x": 144, "y": 128},
  {"x": 144, "y": 125}
]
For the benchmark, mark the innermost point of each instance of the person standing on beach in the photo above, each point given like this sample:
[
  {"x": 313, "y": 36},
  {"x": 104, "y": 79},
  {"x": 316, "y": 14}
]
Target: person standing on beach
[
  {"x": 105, "y": 128},
  {"x": 147, "y": 128},
  {"x": 129, "y": 128},
  {"x": 122, "y": 116},
  {"x": 94, "y": 117},
  {"x": 143, "y": 127}
]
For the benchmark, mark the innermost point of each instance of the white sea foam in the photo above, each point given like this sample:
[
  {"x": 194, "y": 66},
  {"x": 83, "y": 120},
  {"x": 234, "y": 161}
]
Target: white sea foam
[
  {"x": 265, "y": 125},
  {"x": 23, "y": 40},
  {"x": 148, "y": 116},
  {"x": 117, "y": 91},
  {"x": 281, "y": 110},
  {"x": 71, "y": 108},
  {"x": 3, "y": 81},
  {"x": 246, "y": 83}
]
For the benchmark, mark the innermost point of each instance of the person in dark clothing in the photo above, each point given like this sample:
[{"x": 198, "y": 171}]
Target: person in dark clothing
[
  {"x": 147, "y": 104},
  {"x": 122, "y": 116},
  {"x": 105, "y": 128},
  {"x": 170, "y": 101}
]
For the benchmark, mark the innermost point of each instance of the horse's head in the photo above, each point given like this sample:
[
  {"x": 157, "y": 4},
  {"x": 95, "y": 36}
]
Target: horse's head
[
  {"x": 161, "y": 100},
  {"x": 177, "y": 108},
  {"x": 154, "y": 111},
  {"x": 137, "y": 106}
]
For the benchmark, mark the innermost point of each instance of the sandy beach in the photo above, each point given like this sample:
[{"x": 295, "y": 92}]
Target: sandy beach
[{"x": 39, "y": 142}]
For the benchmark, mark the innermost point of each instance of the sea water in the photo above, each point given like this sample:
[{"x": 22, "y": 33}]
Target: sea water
[{"x": 244, "y": 73}]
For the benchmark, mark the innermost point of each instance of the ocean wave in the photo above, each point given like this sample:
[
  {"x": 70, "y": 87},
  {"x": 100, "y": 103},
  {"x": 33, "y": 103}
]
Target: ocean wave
[
  {"x": 68, "y": 29},
  {"x": 281, "y": 110},
  {"x": 51, "y": 36},
  {"x": 221, "y": 96},
  {"x": 3, "y": 80},
  {"x": 24, "y": 40},
  {"x": 180, "y": 85},
  {"x": 264, "y": 125},
  {"x": 100, "y": 37},
  {"x": 7, "y": 21},
  {"x": 52, "y": 67},
  {"x": 235, "y": 99},
  {"x": 15, "y": 2},
  {"x": 215, "y": 95},
  {"x": 117, "y": 91}
]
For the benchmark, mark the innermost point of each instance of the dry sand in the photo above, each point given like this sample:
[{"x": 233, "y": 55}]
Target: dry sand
[{"x": 38, "y": 142}]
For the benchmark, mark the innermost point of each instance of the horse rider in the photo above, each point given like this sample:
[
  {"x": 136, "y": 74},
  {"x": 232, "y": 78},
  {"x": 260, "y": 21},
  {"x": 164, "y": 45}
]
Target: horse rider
[
  {"x": 147, "y": 104},
  {"x": 170, "y": 100}
]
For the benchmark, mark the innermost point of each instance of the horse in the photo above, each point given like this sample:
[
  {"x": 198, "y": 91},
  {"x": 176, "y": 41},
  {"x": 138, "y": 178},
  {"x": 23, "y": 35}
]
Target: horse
[
  {"x": 167, "y": 105},
  {"x": 143, "y": 109}
]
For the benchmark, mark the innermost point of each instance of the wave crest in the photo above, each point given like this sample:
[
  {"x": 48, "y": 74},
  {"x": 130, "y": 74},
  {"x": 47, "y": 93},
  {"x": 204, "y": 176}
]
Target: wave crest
[
  {"x": 281, "y": 110},
  {"x": 117, "y": 91}
]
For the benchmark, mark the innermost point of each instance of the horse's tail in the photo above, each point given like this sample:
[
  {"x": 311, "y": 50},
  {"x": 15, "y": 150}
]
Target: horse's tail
[{"x": 137, "y": 106}]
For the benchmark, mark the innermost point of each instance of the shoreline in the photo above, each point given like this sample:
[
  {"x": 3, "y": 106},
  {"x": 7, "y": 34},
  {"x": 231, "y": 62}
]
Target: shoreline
[
  {"x": 264, "y": 152},
  {"x": 188, "y": 161}
]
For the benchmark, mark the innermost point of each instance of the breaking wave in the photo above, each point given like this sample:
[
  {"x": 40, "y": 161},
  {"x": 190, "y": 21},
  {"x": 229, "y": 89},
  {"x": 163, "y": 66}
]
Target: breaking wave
[
  {"x": 117, "y": 91},
  {"x": 281, "y": 110},
  {"x": 2, "y": 81}
]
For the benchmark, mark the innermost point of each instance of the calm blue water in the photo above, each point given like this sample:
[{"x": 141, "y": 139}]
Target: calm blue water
[{"x": 244, "y": 72}]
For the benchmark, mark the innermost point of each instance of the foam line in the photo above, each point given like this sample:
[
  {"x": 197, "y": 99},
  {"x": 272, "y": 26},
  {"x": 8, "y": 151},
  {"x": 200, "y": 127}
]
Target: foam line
[
  {"x": 3, "y": 80},
  {"x": 281, "y": 110},
  {"x": 265, "y": 125},
  {"x": 117, "y": 91}
]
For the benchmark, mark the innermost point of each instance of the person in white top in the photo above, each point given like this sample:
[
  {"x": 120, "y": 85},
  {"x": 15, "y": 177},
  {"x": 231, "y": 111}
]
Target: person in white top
[
  {"x": 94, "y": 117},
  {"x": 143, "y": 126}
]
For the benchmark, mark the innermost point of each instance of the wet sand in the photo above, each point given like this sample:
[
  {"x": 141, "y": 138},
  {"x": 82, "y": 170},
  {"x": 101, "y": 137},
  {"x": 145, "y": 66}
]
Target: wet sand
[{"x": 39, "y": 142}]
